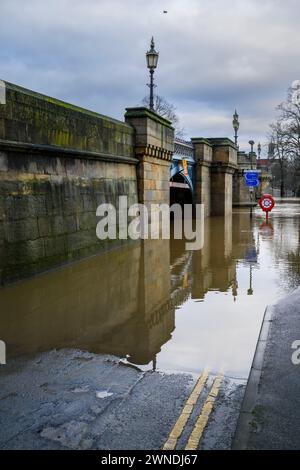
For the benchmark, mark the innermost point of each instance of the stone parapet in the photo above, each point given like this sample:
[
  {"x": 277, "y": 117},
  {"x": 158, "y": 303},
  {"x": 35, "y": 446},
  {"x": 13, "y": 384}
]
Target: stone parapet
[
  {"x": 32, "y": 118},
  {"x": 151, "y": 130},
  {"x": 203, "y": 150},
  {"x": 154, "y": 148}
]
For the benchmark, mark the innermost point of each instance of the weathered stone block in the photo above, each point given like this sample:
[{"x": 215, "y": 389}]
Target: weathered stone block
[
  {"x": 44, "y": 226},
  {"x": 35, "y": 206},
  {"x": 3, "y": 161},
  {"x": 24, "y": 252},
  {"x": 88, "y": 202},
  {"x": 71, "y": 223},
  {"x": 82, "y": 239},
  {"x": 2, "y": 208},
  {"x": 19, "y": 230},
  {"x": 2, "y": 232},
  {"x": 54, "y": 246},
  {"x": 87, "y": 221},
  {"x": 58, "y": 225}
]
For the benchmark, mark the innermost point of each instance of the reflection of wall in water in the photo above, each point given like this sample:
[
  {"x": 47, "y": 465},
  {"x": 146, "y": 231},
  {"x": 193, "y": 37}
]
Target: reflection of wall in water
[
  {"x": 156, "y": 316},
  {"x": 114, "y": 303},
  {"x": 213, "y": 266},
  {"x": 72, "y": 306},
  {"x": 243, "y": 234}
]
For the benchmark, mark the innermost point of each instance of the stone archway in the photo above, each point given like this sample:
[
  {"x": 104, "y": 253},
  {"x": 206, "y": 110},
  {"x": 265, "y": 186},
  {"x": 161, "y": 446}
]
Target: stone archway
[{"x": 180, "y": 190}]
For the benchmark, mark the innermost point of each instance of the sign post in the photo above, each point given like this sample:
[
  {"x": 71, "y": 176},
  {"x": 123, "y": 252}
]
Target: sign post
[
  {"x": 252, "y": 181},
  {"x": 267, "y": 203}
]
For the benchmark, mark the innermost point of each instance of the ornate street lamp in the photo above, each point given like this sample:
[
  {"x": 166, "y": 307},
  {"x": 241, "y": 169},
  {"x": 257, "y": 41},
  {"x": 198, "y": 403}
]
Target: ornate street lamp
[
  {"x": 152, "y": 59},
  {"x": 236, "y": 125},
  {"x": 259, "y": 150},
  {"x": 251, "y": 142}
]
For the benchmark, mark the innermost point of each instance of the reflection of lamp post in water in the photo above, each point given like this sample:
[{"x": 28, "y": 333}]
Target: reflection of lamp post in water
[
  {"x": 250, "y": 290},
  {"x": 251, "y": 258},
  {"x": 234, "y": 288}
]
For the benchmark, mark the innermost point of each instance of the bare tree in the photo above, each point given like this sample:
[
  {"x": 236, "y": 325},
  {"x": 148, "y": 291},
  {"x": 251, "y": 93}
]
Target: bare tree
[
  {"x": 280, "y": 151},
  {"x": 166, "y": 110},
  {"x": 284, "y": 140}
]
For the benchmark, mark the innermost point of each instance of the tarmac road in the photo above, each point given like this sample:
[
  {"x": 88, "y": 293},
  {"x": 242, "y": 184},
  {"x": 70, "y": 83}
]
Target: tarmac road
[{"x": 69, "y": 399}]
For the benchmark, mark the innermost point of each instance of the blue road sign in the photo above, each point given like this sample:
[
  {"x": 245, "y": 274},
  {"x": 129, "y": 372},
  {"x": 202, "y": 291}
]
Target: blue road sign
[
  {"x": 252, "y": 182},
  {"x": 252, "y": 178}
]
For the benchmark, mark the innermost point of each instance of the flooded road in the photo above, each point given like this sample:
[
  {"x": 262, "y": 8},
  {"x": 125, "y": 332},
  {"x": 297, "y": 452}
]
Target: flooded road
[{"x": 159, "y": 305}]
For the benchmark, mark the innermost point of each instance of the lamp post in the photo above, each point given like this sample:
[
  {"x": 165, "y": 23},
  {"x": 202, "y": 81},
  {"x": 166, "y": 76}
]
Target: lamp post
[
  {"x": 152, "y": 58},
  {"x": 259, "y": 150},
  {"x": 251, "y": 142},
  {"x": 236, "y": 125}
]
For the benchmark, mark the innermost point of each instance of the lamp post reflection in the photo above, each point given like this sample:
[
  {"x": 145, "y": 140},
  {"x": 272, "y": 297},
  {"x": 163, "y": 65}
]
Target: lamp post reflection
[
  {"x": 250, "y": 290},
  {"x": 251, "y": 258}
]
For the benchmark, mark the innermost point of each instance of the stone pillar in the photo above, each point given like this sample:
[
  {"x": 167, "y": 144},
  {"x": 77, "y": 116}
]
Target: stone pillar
[
  {"x": 241, "y": 193},
  {"x": 203, "y": 158},
  {"x": 224, "y": 164},
  {"x": 154, "y": 147}
]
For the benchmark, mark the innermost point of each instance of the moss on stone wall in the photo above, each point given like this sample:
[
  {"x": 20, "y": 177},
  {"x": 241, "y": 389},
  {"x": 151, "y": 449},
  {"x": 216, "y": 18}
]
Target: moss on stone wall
[{"x": 30, "y": 117}]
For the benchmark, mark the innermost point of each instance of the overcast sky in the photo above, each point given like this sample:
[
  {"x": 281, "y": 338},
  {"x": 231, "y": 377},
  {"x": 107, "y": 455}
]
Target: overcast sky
[{"x": 215, "y": 56}]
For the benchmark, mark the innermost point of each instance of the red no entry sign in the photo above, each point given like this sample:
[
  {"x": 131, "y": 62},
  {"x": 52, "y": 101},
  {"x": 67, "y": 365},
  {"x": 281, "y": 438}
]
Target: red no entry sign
[{"x": 267, "y": 203}]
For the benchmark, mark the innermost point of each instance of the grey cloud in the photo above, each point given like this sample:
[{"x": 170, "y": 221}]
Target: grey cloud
[{"x": 215, "y": 55}]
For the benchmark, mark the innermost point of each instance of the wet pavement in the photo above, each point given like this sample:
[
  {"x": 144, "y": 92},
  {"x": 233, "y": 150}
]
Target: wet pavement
[
  {"x": 270, "y": 417},
  {"x": 68, "y": 399},
  {"x": 167, "y": 314}
]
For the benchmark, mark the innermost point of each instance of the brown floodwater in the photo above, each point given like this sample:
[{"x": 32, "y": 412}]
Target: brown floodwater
[{"x": 160, "y": 305}]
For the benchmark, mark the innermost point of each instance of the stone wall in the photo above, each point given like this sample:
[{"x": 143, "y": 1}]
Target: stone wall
[{"x": 58, "y": 162}]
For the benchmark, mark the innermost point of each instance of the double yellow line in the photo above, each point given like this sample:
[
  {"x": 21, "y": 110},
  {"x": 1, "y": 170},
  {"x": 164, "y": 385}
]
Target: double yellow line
[{"x": 202, "y": 419}]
